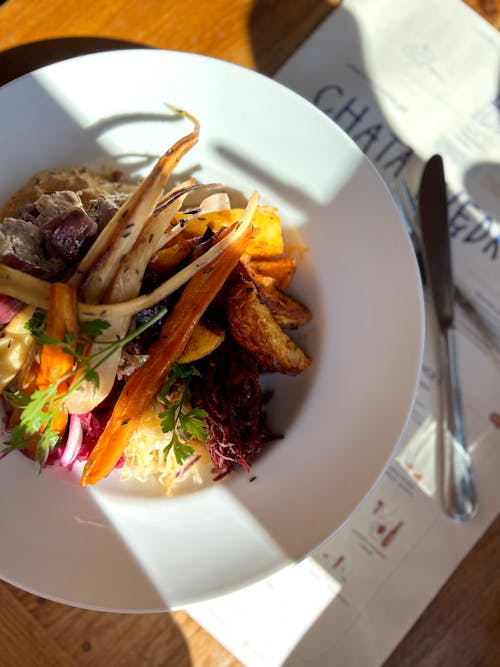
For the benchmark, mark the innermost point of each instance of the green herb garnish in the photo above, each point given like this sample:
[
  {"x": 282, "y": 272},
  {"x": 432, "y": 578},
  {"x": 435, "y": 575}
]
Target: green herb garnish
[
  {"x": 36, "y": 424},
  {"x": 182, "y": 424}
]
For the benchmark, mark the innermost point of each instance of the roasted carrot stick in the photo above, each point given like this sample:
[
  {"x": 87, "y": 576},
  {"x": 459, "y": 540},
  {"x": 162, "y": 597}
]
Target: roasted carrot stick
[
  {"x": 55, "y": 363},
  {"x": 148, "y": 380},
  {"x": 61, "y": 319}
]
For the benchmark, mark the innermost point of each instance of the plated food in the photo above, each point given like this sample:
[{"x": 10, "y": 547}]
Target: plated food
[
  {"x": 342, "y": 418},
  {"x": 137, "y": 320}
]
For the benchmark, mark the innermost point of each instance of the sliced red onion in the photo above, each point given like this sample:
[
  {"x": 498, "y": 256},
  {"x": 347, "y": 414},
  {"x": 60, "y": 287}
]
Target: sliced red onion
[
  {"x": 190, "y": 463},
  {"x": 73, "y": 442}
]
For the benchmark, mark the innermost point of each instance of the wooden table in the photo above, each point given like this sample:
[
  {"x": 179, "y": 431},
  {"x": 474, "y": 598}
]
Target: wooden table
[{"x": 462, "y": 625}]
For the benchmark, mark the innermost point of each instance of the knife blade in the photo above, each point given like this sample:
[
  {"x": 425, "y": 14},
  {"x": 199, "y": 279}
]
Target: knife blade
[{"x": 458, "y": 493}]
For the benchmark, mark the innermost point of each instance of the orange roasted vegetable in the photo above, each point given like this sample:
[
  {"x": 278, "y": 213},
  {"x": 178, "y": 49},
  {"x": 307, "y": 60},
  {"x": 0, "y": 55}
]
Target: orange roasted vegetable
[
  {"x": 280, "y": 269},
  {"x": 268, "y": 241},
  {"x": 61, "y": 319},
  {"x": 147, "y": 381},
  {"x": 204, "y": 340},
  {"x": 55, "y": 363},
  {"x": 170, "y": 256}
]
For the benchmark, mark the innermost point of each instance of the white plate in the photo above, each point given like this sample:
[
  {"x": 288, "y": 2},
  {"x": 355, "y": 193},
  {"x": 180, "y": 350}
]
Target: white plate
[{"x": 116, "y": 548}]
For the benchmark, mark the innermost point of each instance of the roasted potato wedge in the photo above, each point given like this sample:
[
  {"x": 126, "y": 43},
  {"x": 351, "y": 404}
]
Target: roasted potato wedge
[
  {"x": 204, "y": 340},
  {"x": 287, "y": 311},
  {"x": 273, "y": 349},
  {"x": 281, "y": 270},
  {"x": 268, "y": 241}
]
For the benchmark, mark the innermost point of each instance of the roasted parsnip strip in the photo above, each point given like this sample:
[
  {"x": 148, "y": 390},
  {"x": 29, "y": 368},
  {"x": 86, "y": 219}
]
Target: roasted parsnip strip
[
  {"x": 35, "y": 291},
  {"x": 126, "y": 285},
  {"x": 100, "y": 264},
  {"x": 24, "y": 287},
  {"x": 155, "y": 234},
  {"x": 12, "y": 284},
  {"x": 147, "y": 381},
  {"x": 171, "y": 194},
  {"x": 88, "y": 395},
  {"x": 134, "y": 306}
]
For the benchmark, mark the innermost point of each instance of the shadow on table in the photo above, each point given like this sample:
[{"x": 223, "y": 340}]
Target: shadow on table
[
  {"x": 25, "y": 58},
  {"x": 268, "y": 56},
  {"x": 138, "y": 640},
  {"x": 367, "y": 125},
  {"x": 271, "y": 18},
  {"x": 153, "y": 639},
  {"x": 366, "y": 117}
]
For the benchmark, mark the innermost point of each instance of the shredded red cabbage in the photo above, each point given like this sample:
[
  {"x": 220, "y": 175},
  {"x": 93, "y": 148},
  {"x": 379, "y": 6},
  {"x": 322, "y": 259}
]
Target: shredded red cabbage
[{"x": 230, "y": 392}]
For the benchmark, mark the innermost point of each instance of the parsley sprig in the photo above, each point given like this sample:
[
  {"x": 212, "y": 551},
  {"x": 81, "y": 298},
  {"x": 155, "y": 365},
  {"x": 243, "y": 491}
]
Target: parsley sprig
[
  {"x": 182, "y": 424},
  {"x": 39, "y": 410}
]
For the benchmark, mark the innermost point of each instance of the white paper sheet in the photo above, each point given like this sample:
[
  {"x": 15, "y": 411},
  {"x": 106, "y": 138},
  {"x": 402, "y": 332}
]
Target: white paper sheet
[{"x": 404, "y": 80}]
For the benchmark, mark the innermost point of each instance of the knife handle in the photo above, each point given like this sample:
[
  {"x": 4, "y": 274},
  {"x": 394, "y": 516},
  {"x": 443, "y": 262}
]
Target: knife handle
[{"x": 458, "y": 489}]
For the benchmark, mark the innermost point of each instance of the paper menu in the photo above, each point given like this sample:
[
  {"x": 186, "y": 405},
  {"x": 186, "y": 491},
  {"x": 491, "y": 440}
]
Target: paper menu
[
  {"x": 404, "y": 80},
  {"x": 407, "y": 80},
  {"x": 353, "y": 600}
]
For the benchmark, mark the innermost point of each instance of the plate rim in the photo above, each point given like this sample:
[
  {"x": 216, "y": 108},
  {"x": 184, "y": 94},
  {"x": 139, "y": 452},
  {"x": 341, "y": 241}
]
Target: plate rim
[{"x": 319, "y": 114}]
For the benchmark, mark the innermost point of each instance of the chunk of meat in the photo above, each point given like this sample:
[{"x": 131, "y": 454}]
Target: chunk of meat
[
  {"x": 103, "y": 208},
  {"x": 49, "y": 206},
  {"x": 87, "y": 183},
  {"x": 69, "y": 234},
  {"x": 21, "y": 247},
  {"x": 47, "y": 235}
]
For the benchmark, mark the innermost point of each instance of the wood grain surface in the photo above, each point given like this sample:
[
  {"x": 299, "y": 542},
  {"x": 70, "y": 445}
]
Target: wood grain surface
[{"x": 461, "y": 627}]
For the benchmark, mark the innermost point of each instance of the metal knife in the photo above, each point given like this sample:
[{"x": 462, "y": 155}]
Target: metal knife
[{"x": 458, "y": 491}]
